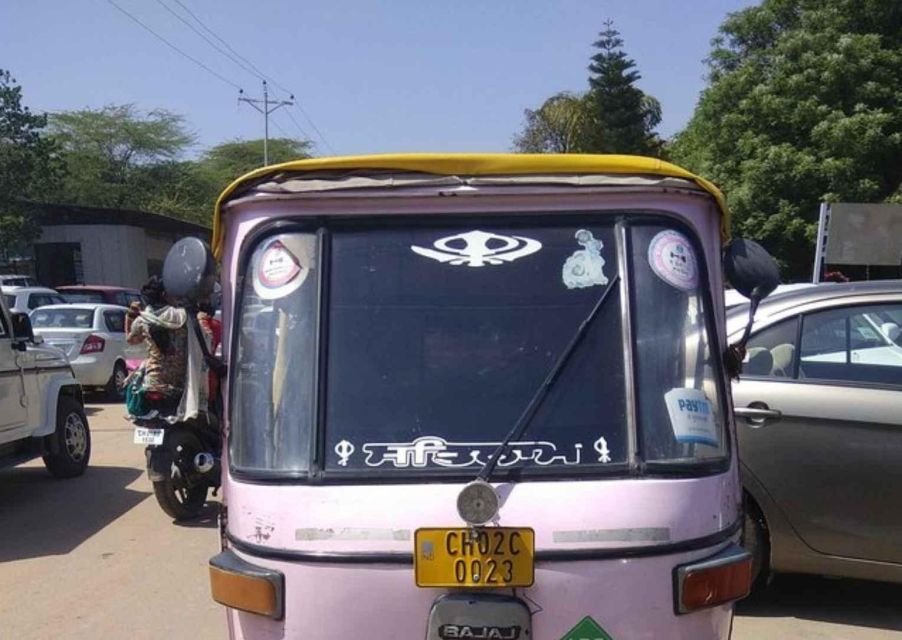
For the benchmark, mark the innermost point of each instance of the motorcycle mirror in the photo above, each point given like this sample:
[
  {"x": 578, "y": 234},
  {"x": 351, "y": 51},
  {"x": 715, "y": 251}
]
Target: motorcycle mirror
[{"x": 189, "y": 272}]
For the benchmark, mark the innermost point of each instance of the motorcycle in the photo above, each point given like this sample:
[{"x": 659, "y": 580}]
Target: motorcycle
[{"x": 183, "y": 460}]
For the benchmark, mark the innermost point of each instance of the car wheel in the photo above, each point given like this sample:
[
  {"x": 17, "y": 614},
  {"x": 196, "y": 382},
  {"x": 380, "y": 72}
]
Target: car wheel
[
  {"x": 756, "y": 540},
  {"x": 69, "y": 446},
  {"x": 115, "y": 388}
]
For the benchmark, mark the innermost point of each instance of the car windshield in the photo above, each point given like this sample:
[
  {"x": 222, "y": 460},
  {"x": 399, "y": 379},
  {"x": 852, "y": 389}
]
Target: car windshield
[
  {"x": 62, "y": 318},
  {"x": 437, "y": 339},
  {"x": 83, "y": 296}
]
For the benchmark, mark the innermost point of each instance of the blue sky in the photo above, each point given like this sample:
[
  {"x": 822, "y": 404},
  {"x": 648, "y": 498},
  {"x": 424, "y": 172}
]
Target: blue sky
[{"x": 372, "y": 76}]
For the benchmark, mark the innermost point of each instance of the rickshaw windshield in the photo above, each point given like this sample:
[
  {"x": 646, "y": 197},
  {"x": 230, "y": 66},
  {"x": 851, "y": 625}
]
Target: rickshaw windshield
[{"x": 429, "y": 341}]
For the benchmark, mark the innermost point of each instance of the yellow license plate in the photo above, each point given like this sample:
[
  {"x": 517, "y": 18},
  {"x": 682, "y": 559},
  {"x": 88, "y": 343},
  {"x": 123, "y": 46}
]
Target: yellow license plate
[{"x": 489, "y": 557}]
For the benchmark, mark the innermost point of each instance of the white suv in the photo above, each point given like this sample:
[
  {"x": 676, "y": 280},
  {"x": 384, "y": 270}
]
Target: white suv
[
  {"x": 41, "y": 408},
  {"x": 29, "y": 298}
]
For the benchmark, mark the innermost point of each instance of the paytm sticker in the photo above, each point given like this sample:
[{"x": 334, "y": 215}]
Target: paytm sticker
[
  {"x": 278, "y": 271},
  {"x": 671, "y": 257},
  {"x": 691, "y": 416}
]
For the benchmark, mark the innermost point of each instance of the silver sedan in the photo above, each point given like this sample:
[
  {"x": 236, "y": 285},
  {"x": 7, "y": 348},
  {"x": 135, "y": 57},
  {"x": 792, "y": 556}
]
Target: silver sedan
[{"x": 819, "y": 417}]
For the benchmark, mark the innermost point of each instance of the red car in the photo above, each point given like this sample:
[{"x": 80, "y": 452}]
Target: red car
[{"x": 100, "y": 294}]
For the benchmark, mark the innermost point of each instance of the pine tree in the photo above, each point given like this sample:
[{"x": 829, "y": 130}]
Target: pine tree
[{"x": 624, "y": 116}]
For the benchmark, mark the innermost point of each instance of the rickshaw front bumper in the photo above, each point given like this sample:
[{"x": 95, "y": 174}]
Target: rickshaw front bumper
[{"x": 640, "y": 597}]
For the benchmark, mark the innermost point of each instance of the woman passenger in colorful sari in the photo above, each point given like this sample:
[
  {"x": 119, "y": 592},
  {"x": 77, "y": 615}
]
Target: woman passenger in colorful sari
[{"x": 163, "y": 330}]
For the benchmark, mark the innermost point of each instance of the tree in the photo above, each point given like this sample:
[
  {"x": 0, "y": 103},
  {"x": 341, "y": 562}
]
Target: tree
[
  {"x": 803, "y": 105},
  {"x": 624, "y": 117},
  {"x": 29, "y": 167},
  {"x": 223, "y": 163},
  {"x": 107, "y": 150},
  {"x": 563, "y": 124},
  {"x": 232, "y": 159}
]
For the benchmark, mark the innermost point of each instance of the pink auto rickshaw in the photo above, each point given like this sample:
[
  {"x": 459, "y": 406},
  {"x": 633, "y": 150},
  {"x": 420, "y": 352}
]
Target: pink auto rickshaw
[{"x": 479, "y": 396}]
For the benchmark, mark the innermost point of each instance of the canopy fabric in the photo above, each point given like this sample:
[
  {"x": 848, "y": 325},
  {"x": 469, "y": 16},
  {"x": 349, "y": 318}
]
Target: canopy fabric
[{"x": 472, "y": 164}]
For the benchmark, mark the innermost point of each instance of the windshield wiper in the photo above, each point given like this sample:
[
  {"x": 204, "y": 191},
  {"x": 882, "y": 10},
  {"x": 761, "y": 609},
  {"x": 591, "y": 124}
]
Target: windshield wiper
[{"x": 542, "y": 392}]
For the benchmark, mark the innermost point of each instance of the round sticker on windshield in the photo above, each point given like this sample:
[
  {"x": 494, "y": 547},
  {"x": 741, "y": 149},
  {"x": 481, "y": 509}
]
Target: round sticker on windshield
[
  {"x": 278, "y": 272},
  {"x": 672, "y": 259}
]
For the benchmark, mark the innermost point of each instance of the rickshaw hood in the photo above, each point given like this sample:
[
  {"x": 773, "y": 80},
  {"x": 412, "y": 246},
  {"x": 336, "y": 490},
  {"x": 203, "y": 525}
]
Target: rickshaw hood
[{"x": 470, "y": 164}]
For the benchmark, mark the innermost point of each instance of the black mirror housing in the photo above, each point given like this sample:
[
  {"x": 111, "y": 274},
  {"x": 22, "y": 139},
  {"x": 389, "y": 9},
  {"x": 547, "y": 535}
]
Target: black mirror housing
[
  {"x": 21, "y": 327},
  {"x": 751, "y": 270},
  {"x": 189, "y": 272},
  {"x": 754, "y": 273}
]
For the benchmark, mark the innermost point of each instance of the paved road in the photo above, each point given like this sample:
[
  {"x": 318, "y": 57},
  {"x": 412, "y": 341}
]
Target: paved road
[{"x": 95, "y": 558}]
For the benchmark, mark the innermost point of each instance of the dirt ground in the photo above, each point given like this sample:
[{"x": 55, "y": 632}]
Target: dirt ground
[{"x": 95, "y": 558}]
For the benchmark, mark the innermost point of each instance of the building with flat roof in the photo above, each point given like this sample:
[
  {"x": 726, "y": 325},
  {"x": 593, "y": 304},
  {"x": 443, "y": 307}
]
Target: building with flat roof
[{"x": 93, "y": 245}]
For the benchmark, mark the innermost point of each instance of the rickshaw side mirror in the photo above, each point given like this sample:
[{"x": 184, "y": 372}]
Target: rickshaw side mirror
[
  {"x": 754, "y": 273},
  {"x": 189, "y": 272}
]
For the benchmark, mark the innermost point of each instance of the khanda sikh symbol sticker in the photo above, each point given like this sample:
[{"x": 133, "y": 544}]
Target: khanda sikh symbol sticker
[{"x": 478, "y": 249}]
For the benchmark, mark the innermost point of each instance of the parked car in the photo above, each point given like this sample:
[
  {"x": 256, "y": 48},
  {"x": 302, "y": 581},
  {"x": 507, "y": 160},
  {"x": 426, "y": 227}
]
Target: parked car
[
  {"x": 819, "y": 416},
  {"x": 27, "y": 299},
  {"x": 41, "y": 408},
  {"x": 733, "y": 298},
  {"x": 93, "y": 338},
  {"x": 17, "y": 280},
  {"x": 100, "y": 294}
]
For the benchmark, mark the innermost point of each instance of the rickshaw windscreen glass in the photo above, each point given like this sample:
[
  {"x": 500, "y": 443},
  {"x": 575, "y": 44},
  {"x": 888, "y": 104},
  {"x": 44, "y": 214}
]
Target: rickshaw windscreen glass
[
  {"x": 678, "y": 407},
  {"x": 272, "y": 402},
  {"x": 438, "y": 336}
]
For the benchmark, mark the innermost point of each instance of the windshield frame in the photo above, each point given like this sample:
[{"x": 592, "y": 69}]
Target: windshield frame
[{"x": 619, "y": 220}]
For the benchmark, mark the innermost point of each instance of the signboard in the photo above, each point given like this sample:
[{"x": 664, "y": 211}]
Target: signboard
[{"x": 866, "y": 234}]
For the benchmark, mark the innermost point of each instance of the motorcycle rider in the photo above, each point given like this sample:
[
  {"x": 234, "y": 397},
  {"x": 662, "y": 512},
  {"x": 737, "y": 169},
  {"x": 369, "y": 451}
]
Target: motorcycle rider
[{"x": 173, "y": 377}]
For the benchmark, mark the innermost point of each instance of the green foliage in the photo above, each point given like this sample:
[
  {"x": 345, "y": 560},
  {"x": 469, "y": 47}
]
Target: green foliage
[
  {"x": 232, "y": 159},
  {"x": 613, "y": 116},
  {"x": 29, "y": 168},
  {"x": 563, "y": 124},
  {"x": 804, "y": 105},
  {"x": 109, "y": 151},
  {"x": 219, "y": 166},
  {"x": 624, "y": 117}
]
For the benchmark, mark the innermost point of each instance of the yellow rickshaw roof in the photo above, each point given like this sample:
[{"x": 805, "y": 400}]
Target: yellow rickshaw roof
[{"x": 476, "y": 164}]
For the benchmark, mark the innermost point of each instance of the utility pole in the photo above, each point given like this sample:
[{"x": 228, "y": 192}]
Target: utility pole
[{"x": 268, "y": 106}]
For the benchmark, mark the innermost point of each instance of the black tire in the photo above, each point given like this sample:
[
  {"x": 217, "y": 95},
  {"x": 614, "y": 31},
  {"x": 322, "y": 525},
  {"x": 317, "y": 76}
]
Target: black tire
[
  {"x": 756, "y": 540},
  {"x": 176, "y": 497},
  {"x": 115, "y": 387},
  {"x": 69, "y": 447}
]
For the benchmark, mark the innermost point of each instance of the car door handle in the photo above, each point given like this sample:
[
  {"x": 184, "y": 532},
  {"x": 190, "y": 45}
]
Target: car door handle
[
  {"x": 757, "y": 416},
  {"x": 756, "y": 412}
]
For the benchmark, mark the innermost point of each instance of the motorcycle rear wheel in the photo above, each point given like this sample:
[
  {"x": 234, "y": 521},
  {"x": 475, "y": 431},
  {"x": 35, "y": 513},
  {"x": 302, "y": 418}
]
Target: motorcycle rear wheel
[{"x": 176, "y": 497}]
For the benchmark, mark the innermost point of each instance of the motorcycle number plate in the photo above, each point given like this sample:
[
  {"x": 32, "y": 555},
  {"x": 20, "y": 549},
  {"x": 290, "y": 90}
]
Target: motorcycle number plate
[{"x": 148, "y": 436}]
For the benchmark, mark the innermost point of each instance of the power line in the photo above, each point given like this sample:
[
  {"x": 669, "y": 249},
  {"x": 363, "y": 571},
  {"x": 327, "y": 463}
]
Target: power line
[
  {"x": 226, "y": 44},
  {"x": 315, "y": 128},
  {"x": 175, "y": 48},
  {"x": 261, "y": 74},
  {"x": 276, "y": 124},
  {"x": 243, "y": 66},
  {"x": 263, "y": 106},
  {"x": 297, "y": 124}
]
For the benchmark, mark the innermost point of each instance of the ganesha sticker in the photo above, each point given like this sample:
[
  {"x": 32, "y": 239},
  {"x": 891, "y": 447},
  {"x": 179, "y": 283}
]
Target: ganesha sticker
[
  {"x": 672, "y": 258},
  {"x": 585, "y": 268}
]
